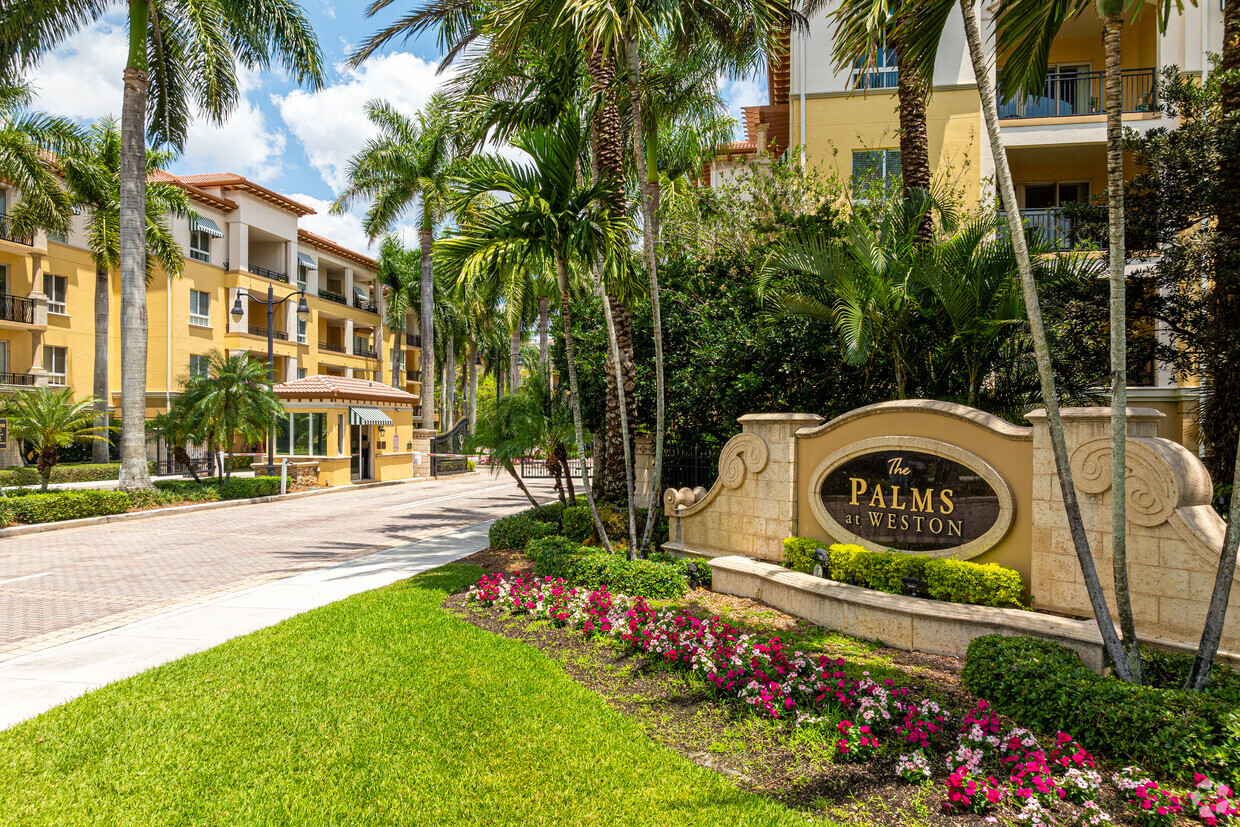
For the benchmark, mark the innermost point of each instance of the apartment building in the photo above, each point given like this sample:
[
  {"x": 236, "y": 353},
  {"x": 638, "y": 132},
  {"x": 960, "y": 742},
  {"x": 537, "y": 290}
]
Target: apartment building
[
  {"x": 243, "y": 246},
  {"x": 846, "y": 123}
]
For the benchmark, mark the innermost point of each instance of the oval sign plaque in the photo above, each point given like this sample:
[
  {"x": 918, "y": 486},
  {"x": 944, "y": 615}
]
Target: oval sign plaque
[{"x": 913, "y": 500}]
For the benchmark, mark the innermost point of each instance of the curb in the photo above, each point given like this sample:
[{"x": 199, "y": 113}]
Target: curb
[{"x": 130, "y": 516}]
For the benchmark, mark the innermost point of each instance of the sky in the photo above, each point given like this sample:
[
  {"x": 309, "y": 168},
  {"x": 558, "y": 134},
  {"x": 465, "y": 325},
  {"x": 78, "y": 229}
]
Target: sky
[{"x": 284, "y": 137}]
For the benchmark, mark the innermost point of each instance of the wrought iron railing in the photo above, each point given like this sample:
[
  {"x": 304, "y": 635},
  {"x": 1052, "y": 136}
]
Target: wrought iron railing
[
  {"x": 1065, "y": 230},
  {"x": 262, "y": 331},
  {"x": 334, "y": 348},
  {"x": 7, "y": 233},
  {"x": 365, "y": 304},
  {"x": 535, "y": 468},
  {"x": 268, "y": 274},
  {"x": 332, "y": 296},
  {"x": 17, "y": 379},
  {"x": 413, "y": 340},
  {"x": 16, "y": 309},
  {"x": 413, "y": 376},
  {"x": 367, "y": 352},
  {"x": 1069, "y": 94},
  {"x": 691, "y": 466}
]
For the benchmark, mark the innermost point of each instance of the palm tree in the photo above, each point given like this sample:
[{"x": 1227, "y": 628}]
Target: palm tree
[
  {"x": 182, "y": 54},
  {"x": 551, "y": 208},
  {"x": 176, "y": 428},
  {"x": 28, "y": 143},
  {"x": 49, "y": 419},
  {"x": 509, "y": 438},
  {"x": 409, "y": 160},
  {"x": 548, "y": 423},
  {"x": 233, "y": 400},
  {"x": 93, "y": 176}
]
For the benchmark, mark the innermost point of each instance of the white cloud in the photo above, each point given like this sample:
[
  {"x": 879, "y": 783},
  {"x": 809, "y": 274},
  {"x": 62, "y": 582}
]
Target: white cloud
[
  {"x": 83, "y": 79},
  {"x": 738, "y": 92},
  {"x": 245, "y": 143},
  {"x": 331, "y": 123},
  {"x": 346, "y": 229}
]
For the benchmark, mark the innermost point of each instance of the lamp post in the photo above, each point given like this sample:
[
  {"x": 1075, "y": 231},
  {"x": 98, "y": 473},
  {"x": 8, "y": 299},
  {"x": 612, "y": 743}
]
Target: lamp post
[{"x": 303, "y": 313}]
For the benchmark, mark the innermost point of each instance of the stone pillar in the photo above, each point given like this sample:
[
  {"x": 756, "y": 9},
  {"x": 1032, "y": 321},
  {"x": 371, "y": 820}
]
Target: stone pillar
[
  {"x": 643, "y": 468},
  {"x": 238, "y": 246},
  {"x": 752, "y": 506},
  {"x": 421, "y": 440},
  {"x": 290, "y": 261},
  {"x": 40, "y": 319},
  {"x": 348, "y": 336},
  {"x": 348, "y": 286}
]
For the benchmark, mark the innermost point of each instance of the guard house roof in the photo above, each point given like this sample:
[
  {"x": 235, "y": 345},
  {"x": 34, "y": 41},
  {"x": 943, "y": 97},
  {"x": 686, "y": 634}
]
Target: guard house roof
[{"x": 345, "y": 391}]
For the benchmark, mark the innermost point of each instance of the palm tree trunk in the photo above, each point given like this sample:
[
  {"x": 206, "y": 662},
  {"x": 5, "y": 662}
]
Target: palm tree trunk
[
  {"x": 562, "y": 453},
  {"x": 99, "y": 448},
  {"x": 1041, "y": 349},
  {"x": 134, "y": 472},
  {"x": 629, "y": 498},
  {"x": 473, "y": 383},
  {"x": 566, "y": 314},
  {"x": 514, "y": 353},
  {"x": 652, "y": 269},
  {"x": 450, "y": 386},
  {"x": 428, "y": 325},
  {"x": 654, "y": 188},
  {"x": 914, "y": 140},
  {"x": 1221, "y": 418},
  {"x": 1111, "y": 29},
  {"x": 521, "y": 485},
  {"x": 544, "y": 341}
]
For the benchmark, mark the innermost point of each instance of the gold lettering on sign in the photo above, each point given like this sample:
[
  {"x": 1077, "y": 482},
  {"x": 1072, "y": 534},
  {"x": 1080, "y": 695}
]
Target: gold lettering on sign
[
  {"x": 945, "y": 497},
  {"x": 936, "y": 525},
  {"x": 896, "y": 466},
  {"x": 858, "y": 488},
  {"x": 922, "y": 500},
  {"x": 885, "y": 500},
  {"x": 877, "y": 501}
]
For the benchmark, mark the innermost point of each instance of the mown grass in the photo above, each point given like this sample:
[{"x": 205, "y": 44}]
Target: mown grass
[{"x": 381, "y": 709}]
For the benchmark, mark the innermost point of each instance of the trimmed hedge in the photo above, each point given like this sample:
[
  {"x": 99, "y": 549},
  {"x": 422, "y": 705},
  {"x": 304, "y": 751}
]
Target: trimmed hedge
[
  {"x": 577, "y": 523},
  {"x": 563, "y": 558},
  {"x": 62, "y": 505},
  {"x": 555, "y": 556},
  {"x": 1044, "y": 686},
  {"x": 65, "y": 472},
  {"x": 245, "y": 488},
  {"x": 516, "y": 531},
  {"x": 947, "y": 579}
]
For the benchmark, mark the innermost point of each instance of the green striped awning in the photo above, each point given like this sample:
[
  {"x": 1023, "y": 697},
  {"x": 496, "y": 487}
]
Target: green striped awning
[
  {"x": 368, "y": 416},
  {"x": 207, "y": 226},
  {"x": 306, "y": 261}
]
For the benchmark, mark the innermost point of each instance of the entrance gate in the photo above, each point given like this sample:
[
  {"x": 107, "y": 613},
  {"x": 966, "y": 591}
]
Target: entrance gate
[{"x": 452, "y": 442}]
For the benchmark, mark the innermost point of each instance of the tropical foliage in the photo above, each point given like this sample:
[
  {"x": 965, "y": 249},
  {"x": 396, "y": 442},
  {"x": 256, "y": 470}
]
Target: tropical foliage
[{"x": 50, "y": 420}]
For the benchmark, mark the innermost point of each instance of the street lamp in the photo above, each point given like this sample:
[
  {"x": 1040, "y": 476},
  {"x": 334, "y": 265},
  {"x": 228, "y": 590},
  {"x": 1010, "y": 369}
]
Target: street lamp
[{"x": 303, "y": 314}]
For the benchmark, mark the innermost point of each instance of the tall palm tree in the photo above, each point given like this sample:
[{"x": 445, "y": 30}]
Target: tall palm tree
[
  {"x": 28, "y": 143},
  {"x": 182, "y": 54},
  {"x": 49, "y": 419},
  {"x": 93, "y": 176},
  {"x": 411, "y": 159},
  {"x": 233, "y": 400},
  {"x": 398, "y": 271},
  {"x": 550, "y": 207}
]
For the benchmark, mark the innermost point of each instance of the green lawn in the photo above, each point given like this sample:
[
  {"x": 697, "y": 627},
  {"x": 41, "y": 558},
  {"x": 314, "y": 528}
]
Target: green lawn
[{"x": 381, "y": 709}]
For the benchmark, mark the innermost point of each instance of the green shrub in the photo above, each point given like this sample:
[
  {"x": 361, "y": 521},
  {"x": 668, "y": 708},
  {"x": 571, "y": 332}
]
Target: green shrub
[
  {"x": 67, "y": 505},
  {"x": 639, "y": 578},
  {"x": 515, "y": 531},
  {"x": 554, "y": 556},
  {"x": 1169, "y": 670},
  {"x": 242, "y": 461},
  {"x": 245, "y": 488},
  {"x": 549, "y": 513},
  {"x": 577, "y": 523},
  {"x": 954, "y": 581},
  {"x": 175, "y": 492},
  {"x": 1045, "y": 687}
]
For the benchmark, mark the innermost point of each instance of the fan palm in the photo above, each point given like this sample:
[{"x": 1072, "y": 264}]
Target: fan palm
[
  {"x": 182, "y": 53},
  {"x": 49, "y": 420},
  {"x": 233, "y": 400},
  {"x": 550, "y": 208},
  {"x": 27, "y": 143},
  {"x": 411, "y": 159},
  {"x": 93, "y": 175}
]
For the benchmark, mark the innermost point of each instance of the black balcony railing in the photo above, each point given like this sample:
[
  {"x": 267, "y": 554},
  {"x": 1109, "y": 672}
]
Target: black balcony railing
[
  {"x": 262, "y": 331},
  {"x": 413, "y": 340},
  {"x": 332, "y": 296},
  {"x": 332, "y": 347},
  {"x": 365, "y": 304},
  {"x": 16, "y": 309},
  {"x": 7, "y": 233},
  {"x": 268, "y": 274},
  {"x": 369, "y": 353},
  {"x": 413, "y": 376},
  {"x": 16, "y": 379},
  {"x": 1068, "y": 94},
  {"x": 1066, "y": 228}
]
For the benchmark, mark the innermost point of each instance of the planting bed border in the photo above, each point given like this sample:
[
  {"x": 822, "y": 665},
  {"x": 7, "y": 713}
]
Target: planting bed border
[{"x": 910, "y": 623}]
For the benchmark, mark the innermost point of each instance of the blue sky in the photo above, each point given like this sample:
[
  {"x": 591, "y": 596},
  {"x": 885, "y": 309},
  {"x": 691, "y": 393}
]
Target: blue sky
[{"x": 281, "y": 136}]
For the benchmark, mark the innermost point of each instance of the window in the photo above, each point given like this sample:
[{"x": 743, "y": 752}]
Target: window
[
  {"x": 301, "y": 331},
  {"x": 318, "y": 427},
  {"x": 200, "y": 245},
  {"x": 301, "y": 276},
  {"x": 344, "y": 434},
  {"x": 301, "y": 373},
  {"x": 199, "y": 365},
  {"x": 55, "y": 287},
  {"x": 281, "y": 435},
  {"x": 876, "y": 168},
  {"x": 883, "y": 74},
  {"x": 199, "y": 308},
  {"x": 4, "y": 278},
  {"x": 301, "y": 435},
  {"x": 55, "y": 362},
  {"x": 4, "y": 356},
  {"x": 361, "y": 344}
]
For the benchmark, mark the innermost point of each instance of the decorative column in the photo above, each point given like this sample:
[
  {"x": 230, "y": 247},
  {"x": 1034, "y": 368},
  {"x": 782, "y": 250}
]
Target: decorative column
[{"x": 40, "y": 320}]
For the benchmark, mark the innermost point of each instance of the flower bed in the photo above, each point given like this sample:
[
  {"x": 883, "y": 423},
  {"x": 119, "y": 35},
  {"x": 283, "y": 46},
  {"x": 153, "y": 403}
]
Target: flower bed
[{"x": 985, "y": 764}]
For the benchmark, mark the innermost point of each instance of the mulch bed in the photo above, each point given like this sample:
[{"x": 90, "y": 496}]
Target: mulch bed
[{"x": 794, "y": 767}]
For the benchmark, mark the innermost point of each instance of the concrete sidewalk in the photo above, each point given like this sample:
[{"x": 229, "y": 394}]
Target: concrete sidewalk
[{"x": 35, "y": 683}]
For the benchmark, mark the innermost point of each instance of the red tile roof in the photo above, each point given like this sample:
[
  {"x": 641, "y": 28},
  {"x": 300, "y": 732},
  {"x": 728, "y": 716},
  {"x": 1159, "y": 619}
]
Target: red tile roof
[
  {"x": 195, "y": 192},
  {"x": 232, "y": 181},
  {"x": 344, "y": 389},
  {"x": 329, "y": 246}
]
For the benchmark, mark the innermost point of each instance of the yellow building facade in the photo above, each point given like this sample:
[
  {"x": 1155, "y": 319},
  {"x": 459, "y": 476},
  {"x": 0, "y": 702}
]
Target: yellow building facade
[{"x": 244, "y": 245}]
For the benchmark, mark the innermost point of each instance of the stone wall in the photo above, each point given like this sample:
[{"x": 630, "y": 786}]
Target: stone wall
[
  {"x": 1174, "y": 536},
  {"x": 303, "y": 475},
  {"x": 421, "y": 440},
  {"x": 752, "y": 506}
]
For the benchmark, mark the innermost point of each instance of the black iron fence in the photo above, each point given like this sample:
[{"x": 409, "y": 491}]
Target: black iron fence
[
  {"x": 451, "y": 442},
  {"x": 535, "y": 468},
  {"x": 16, "y": 309},
  {"x": 8, "y": 234},
  {"x": 279, "y": 335},
  {"x": 332, "y": 296},
  {"x": 1083, "y": 93},
  {"x": 690, "y": 466},
  {"x": 413, "y": 340},
  {"x": 26, "y": 379}
]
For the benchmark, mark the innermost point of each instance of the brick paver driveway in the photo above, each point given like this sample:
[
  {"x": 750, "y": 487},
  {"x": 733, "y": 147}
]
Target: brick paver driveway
[{"x": 63, "y": 585}]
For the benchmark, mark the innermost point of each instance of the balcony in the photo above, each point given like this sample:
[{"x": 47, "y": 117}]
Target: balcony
[
  {"x": 268, "y": 274},
  {"x": 23, "y": 379},
  {"x": 367, "y": 352},
  {"x": 332, "y": 348},
  {"x": 365, "y": 304},
  {"x": 1077, "y": 94},
  {"x": 16, "y": 309},
  {"x": 413, "y": 340},
  {"x": 7, "y": 233},
  {"x": 278, "y": 335},
  {"x": 332, "y": 296},
  {"x": 1066, "y": 228},
  {"x": 413, "y": 376}
]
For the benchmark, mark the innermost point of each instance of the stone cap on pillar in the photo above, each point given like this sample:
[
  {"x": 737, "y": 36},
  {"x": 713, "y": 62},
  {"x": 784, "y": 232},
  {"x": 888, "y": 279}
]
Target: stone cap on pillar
[
  {"x": 798, "y": 420},
  {"x": 1096, "y": 413}
]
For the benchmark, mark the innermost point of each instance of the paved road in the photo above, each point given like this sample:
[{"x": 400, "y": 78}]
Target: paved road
[{"x": 63, "y": 585}]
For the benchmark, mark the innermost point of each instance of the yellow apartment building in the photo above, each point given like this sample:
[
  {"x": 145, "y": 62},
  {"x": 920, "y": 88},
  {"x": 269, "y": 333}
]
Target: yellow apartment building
[
  {"x": 244, "y": 244},
  {"x": 845, "y": 122}
]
